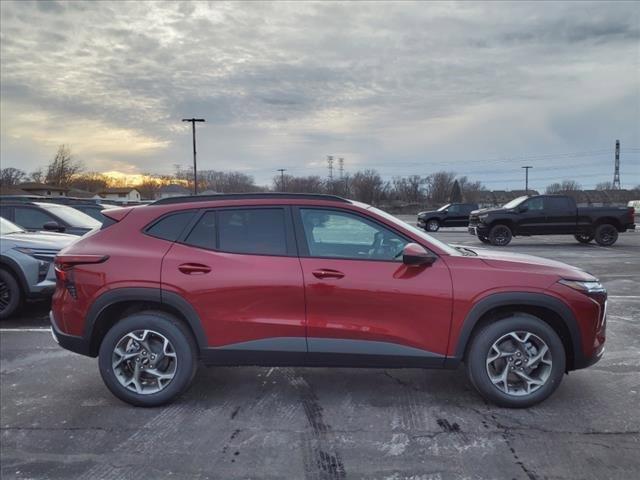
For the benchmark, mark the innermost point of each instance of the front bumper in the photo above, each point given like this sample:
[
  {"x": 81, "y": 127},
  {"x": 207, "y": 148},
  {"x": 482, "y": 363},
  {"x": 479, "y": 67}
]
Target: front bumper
[
  {"x": 478, "y": 230},
  {"x": 70, "y": 342}
]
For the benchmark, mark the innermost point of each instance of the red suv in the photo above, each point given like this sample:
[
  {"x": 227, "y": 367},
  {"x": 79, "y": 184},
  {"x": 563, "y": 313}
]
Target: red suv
[{"x": 314, "y": 280}]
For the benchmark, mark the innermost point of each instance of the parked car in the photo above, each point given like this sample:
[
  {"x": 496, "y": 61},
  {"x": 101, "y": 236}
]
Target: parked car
[
  {"x": 34, "y": 216},
  {"x": 550, "y": 215},
  {"x": 449, "y": 215},
  {"x": 86, "y": 206},
  {"x": 26, "y": 265},
  {"x": 314, "y": 280}
]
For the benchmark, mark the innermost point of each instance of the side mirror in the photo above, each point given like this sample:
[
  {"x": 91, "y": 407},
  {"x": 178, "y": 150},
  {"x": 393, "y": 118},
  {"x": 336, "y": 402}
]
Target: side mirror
[
  {"x": 53, "y": 226},
  {"x": 416, "y": 255}
]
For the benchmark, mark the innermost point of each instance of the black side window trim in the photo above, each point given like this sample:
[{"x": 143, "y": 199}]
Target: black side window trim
[
  {"x": 301, "y": 238},
  {"x": 290, "y": 238}
]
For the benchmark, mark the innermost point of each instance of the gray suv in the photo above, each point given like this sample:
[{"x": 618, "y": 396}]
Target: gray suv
[{"x": 26, "y": 264}]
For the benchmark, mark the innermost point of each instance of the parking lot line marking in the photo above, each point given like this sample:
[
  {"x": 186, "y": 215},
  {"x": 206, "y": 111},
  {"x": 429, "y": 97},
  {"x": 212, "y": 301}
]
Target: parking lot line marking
[
  {"x": 25, "y": 330},
  {"x": 623, "y": 296}
]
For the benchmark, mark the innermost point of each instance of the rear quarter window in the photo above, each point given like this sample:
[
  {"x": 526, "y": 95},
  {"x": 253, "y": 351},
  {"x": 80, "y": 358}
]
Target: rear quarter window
[{"x": 171, "y": 226}]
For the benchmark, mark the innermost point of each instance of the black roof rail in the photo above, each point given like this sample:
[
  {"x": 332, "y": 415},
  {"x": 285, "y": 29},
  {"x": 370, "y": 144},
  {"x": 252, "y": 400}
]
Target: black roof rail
[{"x": 249, "y": 196}]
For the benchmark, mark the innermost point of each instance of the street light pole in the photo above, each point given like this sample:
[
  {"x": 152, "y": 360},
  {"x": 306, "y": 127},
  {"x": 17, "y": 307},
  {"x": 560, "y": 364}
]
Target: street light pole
[
  {"x": 526, "y": 179},
  {"x": 282, "y": 170},
  {"x": 195, "y": 169}
]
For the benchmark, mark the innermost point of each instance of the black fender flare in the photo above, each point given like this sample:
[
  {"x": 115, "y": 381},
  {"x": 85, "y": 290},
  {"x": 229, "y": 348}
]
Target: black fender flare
[
  {"x": 143, "y": 294},
  {"x": 529, "y": 299}
]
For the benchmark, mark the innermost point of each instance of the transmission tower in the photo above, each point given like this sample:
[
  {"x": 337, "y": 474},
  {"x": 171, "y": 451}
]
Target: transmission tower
[
  {"x": 330, "y": 163},
  {"x": 341, "y": 167},
  {"x": 616, "y": 171}
]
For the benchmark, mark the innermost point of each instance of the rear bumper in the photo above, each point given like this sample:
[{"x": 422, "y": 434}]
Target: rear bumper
[{"x": 70, "y": 342}]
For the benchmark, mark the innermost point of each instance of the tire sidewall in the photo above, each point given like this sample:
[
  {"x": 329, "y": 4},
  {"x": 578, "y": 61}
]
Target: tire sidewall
[
  {"x": 484, "y": 339},
  {"x": 492, "y": 233},
  {"x": 184, "y": 346},
  {"x": 599, "y": 233},
  {"x": 14, "y": 291}
]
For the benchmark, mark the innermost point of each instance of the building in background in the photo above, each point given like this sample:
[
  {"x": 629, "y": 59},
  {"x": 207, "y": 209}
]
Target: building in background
[
  {"x": 126, "y": 194},
  {"x": 35, "y": 188}
]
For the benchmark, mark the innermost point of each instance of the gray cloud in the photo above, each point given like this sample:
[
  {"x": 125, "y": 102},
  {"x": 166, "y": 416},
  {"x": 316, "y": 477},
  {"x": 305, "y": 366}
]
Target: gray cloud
[{"x": 409, "y": 88}]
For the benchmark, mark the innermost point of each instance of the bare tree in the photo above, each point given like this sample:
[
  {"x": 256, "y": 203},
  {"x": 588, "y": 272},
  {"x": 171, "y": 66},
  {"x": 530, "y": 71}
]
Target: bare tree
[
  {"x": 409, "y": 189},
  {"x": 91, "y": 182},
  {"x": 11, "y": 176},
  {"x": 367, "y": 186},
  {"x": 604, "y": 186},
  {"x": 439, "y": 186},
  {"x": 471, "y": 191},
  {"x": 37, "y": 175},
  {"x": 564, "y": 186},
  {"x": 62, "y": 168},
  {"x": 456, "y": 192},
  {"x": 225, "y": 182}
]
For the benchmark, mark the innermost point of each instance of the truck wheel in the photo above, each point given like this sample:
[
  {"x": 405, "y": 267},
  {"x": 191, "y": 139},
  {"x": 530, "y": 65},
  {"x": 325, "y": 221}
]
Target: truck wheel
[
  {"x": 433, "y": 225},
  {"x": 516, "y": 362},
  {"x": 584, "y": 237},
  {"x": 484, "y": 239},
  {"x": 148, "y": 359},
  {"x": 10, "y": 294},
  {"x": 500, "y": 235},
  {"x": 606, "y": 235}
]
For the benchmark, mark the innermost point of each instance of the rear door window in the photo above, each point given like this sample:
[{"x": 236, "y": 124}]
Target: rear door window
[
  {"x": 258, "y": 231},
  {"x": 556, "y": 204}
]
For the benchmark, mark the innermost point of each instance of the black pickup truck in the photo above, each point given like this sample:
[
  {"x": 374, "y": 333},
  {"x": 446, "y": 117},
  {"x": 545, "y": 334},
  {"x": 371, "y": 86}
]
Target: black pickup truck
[
  {"x": 449, "y": 215},
  {"x": 550, "y": 215}
]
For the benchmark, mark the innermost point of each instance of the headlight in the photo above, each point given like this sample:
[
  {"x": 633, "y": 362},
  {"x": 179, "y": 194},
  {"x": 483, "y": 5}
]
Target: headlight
[
  {"x": 584, "y": 287},
  {"x": 482, "y": 218},
  {"x": 43, "y": 261}
]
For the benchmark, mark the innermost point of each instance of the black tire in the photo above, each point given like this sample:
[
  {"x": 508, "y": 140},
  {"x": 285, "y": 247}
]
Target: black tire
[
  {"x": 184, "y": 346},
  {"x": 481, "y": 344},
  {"x": 584, "y": 237},
  {"x": 484, "y": 239},
  {"x": 500, "y": 235},
  {"x": 432, "y": 225},
  {"x": 10, "y": 294},
  {"x": 606, "y": 235}
]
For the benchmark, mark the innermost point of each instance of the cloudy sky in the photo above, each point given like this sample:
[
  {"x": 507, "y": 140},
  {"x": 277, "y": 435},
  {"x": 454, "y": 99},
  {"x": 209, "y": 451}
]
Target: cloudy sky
[{"x": 405, "y": 88}]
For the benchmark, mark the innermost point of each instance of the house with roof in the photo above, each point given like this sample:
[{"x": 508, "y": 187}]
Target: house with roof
[
  {"x": 124, "y": 194},
  {"x": 37, "y": 188},
  {"x": 172, "y": 190}
]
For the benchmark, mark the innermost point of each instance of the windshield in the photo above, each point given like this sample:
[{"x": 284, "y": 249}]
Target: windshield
[
  {"x": 444, "y": 207},
  {"x": 447, "y": 248},
  {"x": 72, "y": 216},
  {"x": 6, "y": 227},
  {"x": 515, "y": 202}
]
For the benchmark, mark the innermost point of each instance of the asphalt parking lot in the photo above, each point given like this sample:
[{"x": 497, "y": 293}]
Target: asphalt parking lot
[{"x": 59, "y": 421}]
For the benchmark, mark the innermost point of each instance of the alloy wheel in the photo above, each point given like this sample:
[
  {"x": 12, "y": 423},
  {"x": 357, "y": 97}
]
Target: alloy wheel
[
  {"x": 433, "y": 225},
  {"x": 519, "y": 363},
  {"x": 501, "y": 235},
  {"x": 144, "y": 361},
  {"x": 607, "y": 235}
]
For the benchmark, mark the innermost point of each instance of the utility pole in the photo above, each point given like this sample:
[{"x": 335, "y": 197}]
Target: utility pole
[
  {"x": 526, "y": 179},
  {"x": 330, "y": 163},
  {"x": 616, "y": 171},
  {"x": 282, "y": 170},
  {"x": 195, "y": 168}
]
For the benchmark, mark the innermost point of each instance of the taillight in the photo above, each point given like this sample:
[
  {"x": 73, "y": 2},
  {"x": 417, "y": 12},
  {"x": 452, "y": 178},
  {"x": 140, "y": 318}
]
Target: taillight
[
  {"x": 632, "y": 214},
  {"x": 64, "y": 265}
]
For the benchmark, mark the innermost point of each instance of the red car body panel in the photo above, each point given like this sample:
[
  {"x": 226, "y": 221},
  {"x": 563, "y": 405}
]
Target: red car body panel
[
  {"x": 245, "y": 298},
  {"x": 379, "y": 301}
]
